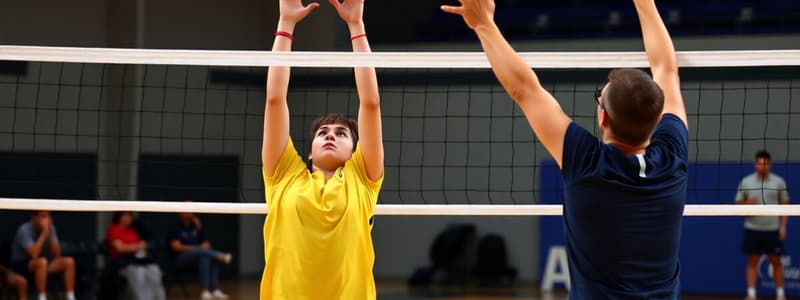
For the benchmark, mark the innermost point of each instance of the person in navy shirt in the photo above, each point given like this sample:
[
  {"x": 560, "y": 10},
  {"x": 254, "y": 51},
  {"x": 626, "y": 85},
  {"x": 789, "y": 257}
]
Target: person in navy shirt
[
  {"x": 624, "y": 193},
  {"x": 192, "y": 249}
]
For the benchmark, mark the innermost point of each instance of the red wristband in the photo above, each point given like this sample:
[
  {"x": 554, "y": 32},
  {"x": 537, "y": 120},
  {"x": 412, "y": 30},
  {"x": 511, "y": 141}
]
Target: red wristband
[
  {"x": 285, "y": 34},
  {"x": 352, "y": 38}
]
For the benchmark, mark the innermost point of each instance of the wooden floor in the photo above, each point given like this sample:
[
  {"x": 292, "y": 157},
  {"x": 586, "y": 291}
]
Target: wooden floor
[{"x": 248, "y": 289}]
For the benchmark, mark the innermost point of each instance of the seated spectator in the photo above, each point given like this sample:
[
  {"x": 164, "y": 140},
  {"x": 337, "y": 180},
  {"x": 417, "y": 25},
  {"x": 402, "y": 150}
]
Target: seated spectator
[
  {"x": 127, "y": 255},
  {"x": 14, "y": 280},
  {"x": 191, "y": 249},
  {"x": 36, "y": 253}
]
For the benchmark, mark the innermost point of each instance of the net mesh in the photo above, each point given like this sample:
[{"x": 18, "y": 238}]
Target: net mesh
[{"x": 451, "y": 136}]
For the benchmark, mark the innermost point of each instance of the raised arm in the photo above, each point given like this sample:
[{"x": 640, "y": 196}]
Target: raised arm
[
  {"x": 543, "y": 112},
  {"x": 661, "y": 54},
  {"x": 276, "y": 111},
  {"x": 369, "y": 111}
]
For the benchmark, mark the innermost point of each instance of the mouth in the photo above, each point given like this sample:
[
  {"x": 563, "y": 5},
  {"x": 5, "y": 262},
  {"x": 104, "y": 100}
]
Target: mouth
[{"x": 329, "y": 146}]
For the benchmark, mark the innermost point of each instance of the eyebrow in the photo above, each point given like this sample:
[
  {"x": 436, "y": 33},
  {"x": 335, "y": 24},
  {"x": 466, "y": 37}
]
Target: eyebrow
[{"x": 334, "y": 127}]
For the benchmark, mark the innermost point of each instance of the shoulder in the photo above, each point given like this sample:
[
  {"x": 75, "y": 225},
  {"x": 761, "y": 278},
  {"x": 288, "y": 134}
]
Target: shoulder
[
  {"x": 777, "y": 178},
  {"x": 289, "y": 165},
  {"x": 671, "y": 130},
  {"x": 749, "y": 179},
  {"x": 578, "y": 142},
  {"x": 114, "y": 230},
  {"x": 576, "y": 132},
  {"x": 25, "y": 228},
  {"x": 357, "y": 167}
]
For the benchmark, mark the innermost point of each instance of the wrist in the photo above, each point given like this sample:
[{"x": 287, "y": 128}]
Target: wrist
[
  {"x": 356, "y": 28},
  {"x": 484, "y": 28},
  {"x": 286, "y": 26}
]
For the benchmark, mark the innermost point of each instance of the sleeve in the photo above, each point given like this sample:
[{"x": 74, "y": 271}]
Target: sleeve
[
  {"x": 783, "y": 193},
  {"x": 672, "y": 133},
  {"x": 111, "y": 235},
  {"x": 24, "y": 238},
  {"x": 579, "y": 147},
  {"x": 741, "y": 194},
  {"x": 54, "y": 234},
  {"x": 357, "y": 163},
  {"x": 289, "y": 164}
]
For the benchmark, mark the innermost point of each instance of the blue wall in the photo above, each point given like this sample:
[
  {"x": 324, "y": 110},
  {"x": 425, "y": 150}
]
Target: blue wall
[{"x": 711, "y": 259}]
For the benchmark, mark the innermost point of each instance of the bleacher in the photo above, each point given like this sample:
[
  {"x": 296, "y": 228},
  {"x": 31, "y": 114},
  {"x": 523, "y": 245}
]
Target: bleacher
[{"x": 565, "y": 19}]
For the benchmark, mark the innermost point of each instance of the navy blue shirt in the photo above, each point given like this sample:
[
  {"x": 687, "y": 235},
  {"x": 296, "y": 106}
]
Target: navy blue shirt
[
  {"x": 187, "y": 235},
  {"x": 623, "y": 214}
]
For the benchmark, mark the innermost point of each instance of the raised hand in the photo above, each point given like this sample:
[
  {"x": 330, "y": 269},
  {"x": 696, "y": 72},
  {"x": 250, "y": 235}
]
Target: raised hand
[
  {"x": 476, "y": 13},
  {"x": 293, "y": 11},
  {"x": 351, "y": 11}
]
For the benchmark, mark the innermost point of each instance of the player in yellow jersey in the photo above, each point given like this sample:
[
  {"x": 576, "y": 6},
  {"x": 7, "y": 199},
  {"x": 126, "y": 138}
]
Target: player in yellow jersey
[{"x": 317, "y": 242}]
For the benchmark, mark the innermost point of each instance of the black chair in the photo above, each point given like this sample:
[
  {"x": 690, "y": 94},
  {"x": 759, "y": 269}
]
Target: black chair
[
  {"x": 110, "y": 283},
  {"x": 173, "y": 274},
  {"x": 182, "y": 276}
]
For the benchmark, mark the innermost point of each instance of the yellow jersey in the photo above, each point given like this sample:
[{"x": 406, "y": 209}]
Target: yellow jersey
[{"x": 317, "y": 235}]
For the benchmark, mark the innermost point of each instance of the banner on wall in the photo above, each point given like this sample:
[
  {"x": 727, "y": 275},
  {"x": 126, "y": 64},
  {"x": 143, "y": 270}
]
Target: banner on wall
[{"x": 711, "y": 258}]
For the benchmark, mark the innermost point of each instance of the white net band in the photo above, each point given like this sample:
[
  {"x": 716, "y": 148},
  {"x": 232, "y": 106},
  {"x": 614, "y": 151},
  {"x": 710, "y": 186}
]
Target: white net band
[
  {"x": 382, "y": 209},
  {"x": 545, "y": 60}
]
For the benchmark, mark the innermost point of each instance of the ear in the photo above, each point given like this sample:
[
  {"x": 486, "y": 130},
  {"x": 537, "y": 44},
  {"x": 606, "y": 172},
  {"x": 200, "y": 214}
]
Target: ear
[{"x": 603, "y": 117}]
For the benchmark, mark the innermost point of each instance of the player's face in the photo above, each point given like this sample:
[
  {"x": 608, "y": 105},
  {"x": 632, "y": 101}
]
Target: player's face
[
  {"x": 762, "y": 166},
  {"x": 331, "y": 147},
  {"x": 185, "y": 217},
  {"x": 125, "y": 220},
  {"x": 40, "y": 219}
]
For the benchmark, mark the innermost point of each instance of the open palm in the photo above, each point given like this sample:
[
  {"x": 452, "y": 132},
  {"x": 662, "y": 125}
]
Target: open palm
[
  {"x": 474, "y": 12},
  {"x": 294, "y": 10},
  {"x": 351, "y": 11}
]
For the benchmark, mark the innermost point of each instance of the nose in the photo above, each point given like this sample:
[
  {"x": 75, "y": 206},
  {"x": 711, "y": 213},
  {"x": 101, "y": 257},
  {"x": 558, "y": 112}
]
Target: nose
[{"x": 330, "y": 136}]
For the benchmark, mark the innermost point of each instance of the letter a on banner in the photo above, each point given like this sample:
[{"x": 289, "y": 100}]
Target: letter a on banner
[{"x": 556, "y": 270}]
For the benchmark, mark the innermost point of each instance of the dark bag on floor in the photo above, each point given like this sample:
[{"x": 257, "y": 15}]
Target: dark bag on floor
[{"x": 491, "y": 267}]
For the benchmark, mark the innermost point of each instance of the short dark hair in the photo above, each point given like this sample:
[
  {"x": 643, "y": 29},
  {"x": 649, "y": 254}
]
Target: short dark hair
[
  {"x": 763, "y": 154},
  {"x": 634, "y": 103},
  {"x": 336, "y": 119}
]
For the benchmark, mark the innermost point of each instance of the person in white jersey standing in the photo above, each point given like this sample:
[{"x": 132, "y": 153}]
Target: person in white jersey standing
[{"x": 763, "y": 234}]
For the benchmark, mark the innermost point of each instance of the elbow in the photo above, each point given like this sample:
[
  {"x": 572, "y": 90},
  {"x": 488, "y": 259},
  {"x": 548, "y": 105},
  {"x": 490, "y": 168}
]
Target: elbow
[
  {"x": 370, "y": 103},
  {"x": 520, "y": 92},
  {"x": 668, "y": 64},
  {"x": 273, "y": 100}
]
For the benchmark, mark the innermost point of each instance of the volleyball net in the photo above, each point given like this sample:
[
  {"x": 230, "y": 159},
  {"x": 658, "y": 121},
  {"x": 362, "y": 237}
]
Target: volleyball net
[{"x": 157, "y": 126}]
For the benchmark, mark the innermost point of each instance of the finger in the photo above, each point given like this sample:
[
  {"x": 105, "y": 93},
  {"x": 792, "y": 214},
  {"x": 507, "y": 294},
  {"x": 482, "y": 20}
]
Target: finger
[
  {"x": 335, "y": 3},
  {"x": 456, "y": 10},
  {"x": 311, "y": 6}
]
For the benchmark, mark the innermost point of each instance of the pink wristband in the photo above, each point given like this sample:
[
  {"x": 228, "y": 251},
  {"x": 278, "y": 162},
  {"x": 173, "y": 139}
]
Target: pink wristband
[
  {"x": 352, "y": 38},
  {"x": 285, "y": 34}
]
